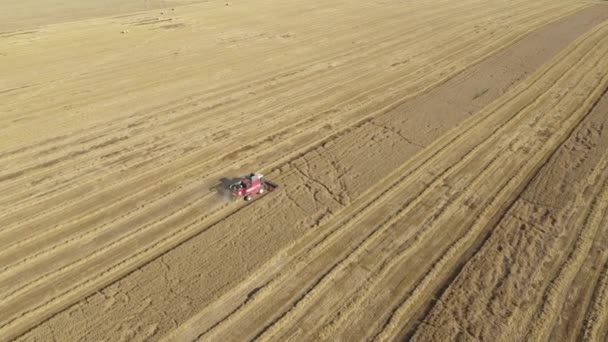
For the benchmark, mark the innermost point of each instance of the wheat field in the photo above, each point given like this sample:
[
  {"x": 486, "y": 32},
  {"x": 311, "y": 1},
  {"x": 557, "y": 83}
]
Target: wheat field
[{"x": 442, "y": 170}]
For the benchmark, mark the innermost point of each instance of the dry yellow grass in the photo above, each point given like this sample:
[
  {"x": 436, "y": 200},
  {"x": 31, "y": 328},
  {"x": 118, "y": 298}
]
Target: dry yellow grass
[{"x": 115, "y": 129}]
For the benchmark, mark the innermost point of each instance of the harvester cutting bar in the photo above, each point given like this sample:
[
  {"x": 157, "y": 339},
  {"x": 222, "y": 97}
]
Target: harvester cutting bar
[{"x": 269, "y": 185}]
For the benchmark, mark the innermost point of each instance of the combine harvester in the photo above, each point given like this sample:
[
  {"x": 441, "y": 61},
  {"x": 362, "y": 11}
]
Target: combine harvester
[{"x": 252, "y": 184}]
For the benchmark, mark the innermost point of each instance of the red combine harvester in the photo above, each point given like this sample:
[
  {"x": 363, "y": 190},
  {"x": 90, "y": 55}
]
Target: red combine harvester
[{"x": 250, "y": 185}]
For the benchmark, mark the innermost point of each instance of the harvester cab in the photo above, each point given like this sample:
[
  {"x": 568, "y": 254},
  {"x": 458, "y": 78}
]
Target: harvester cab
[{"x": 252, "y": 184}]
